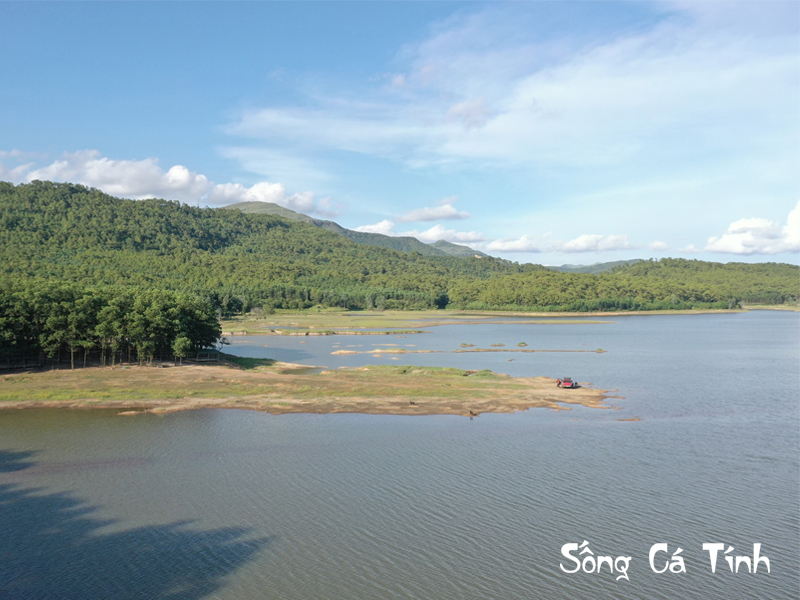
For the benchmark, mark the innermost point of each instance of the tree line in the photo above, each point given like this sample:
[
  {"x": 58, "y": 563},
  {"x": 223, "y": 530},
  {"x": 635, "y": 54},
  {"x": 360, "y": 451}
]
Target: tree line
[{"x": 113, "y": 324}]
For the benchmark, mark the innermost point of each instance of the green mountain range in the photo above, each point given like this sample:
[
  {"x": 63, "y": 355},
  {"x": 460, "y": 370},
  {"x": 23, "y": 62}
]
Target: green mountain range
[
  {"x": 58, "y": 234},
  {"x": 401, "y": 243}
]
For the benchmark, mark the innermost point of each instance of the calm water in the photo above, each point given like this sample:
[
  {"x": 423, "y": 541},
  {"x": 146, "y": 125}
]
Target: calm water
[{"x": 240, "y": 505}]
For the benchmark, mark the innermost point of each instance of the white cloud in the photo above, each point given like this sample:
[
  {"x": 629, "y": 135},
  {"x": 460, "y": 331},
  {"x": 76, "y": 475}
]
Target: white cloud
[
  {"x": 16, "y": 153},
  {"x": 759, "y": 236},
  {"x": 686, "y": 105},
  {"x": 434, "y": 234},
  {"x": 745, "y": 236},
  {"x": 325, "y": 208},
  {"x": 583, "y": 243},
  {"x": 292, "y": 168},
  {"x": 443, "y": 211},
  {"x": 128, "y": 178},
  {"x": 472, "y": 114},
  {"x": 525, "y": 243},
  {"x": 16, "y": 173},
  {"x": 399, "y": 81},
  {"x": 139, "y": 179},
  {"x": 595, "y": 243},
  {"x": 482, "y": 89},
  {"x": 438, "y": 232},
  {"x": 384, "y": 227},
  {"x": 228, "y": 193}
]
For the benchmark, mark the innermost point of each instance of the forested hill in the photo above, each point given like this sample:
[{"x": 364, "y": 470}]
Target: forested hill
[
  {"x": 62, "y": 233},
  {"x": 69, "y": 233},
  {"x": 764, "y": 283}
]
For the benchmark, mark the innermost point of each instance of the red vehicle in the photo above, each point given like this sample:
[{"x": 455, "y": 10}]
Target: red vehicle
[{"x": 566, "y": 382}]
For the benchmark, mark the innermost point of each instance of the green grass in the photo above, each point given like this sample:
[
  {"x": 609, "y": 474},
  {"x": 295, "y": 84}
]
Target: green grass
[
  {"x": 485, "y": 373},
  {"x": 387, "y": 322},
  {"x": 247, "y": 363}
]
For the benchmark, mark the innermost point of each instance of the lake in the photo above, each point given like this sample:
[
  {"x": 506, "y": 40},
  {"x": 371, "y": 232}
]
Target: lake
[{"x": 239, "y": 505}]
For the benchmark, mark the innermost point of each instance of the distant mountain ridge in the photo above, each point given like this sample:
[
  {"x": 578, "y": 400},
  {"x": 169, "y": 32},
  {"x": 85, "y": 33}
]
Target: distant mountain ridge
[
  {"x": 401, "y": 243},
  {"x": 596, "y": 268}
]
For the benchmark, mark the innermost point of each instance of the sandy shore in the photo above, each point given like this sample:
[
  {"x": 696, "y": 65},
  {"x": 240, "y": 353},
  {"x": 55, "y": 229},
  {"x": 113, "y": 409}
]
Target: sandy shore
[{"x": 373, "y": 390}]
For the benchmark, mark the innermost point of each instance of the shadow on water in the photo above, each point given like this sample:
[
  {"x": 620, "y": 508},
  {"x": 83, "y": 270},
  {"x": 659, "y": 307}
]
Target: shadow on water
[
  {"x": 14, "y": 461},
  {"x": 50, "y": 548}
]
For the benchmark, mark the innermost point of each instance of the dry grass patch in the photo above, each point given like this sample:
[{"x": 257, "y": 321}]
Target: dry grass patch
[{"x": 280, "y": 388}]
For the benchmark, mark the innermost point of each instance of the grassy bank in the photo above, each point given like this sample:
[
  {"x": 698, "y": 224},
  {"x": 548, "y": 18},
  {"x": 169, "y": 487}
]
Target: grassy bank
[
  {"x": 341, "y": 322},
  {"x": 789, "y": 307}
]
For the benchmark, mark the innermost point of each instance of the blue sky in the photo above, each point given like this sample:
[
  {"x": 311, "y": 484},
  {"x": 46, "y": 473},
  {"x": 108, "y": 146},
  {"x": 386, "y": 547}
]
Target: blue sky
[{"x": 547, "y": 132}]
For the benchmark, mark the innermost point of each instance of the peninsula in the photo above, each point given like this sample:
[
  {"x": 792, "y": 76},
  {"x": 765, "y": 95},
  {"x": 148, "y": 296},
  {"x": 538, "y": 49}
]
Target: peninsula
[{"x": 277, "y": 388}]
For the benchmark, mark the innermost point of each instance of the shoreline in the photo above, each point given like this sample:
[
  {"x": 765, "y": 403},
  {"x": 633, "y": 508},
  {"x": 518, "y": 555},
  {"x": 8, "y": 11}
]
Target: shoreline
[
  {"x": 394, "y": 322},
  {"x": 275, "y": 390}
]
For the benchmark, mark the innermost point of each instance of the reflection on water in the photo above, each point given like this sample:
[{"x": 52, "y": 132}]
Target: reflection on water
[{"x": 240, "y": 505}]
